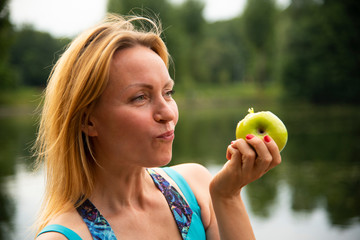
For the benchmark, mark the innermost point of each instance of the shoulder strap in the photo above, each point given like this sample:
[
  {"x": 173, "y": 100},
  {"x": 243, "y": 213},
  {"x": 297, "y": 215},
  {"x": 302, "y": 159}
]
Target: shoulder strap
[
  {"x": 183, "y": 185},
  {"x": 67, "y": 232},
  {"x": 196, "y": 231}
]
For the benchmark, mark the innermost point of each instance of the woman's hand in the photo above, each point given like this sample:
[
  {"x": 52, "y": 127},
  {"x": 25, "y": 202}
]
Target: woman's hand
[{"x": 249, "y": 159}]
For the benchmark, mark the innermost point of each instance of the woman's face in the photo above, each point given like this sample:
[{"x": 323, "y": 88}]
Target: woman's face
[{"x": 133, "y": 122}]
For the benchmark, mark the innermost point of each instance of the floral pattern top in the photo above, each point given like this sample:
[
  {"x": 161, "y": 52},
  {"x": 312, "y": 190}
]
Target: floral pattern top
[{"x": 100, "y": 229}]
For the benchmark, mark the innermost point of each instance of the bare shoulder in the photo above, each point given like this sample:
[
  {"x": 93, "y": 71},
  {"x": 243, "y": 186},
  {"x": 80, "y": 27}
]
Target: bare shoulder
[
  {"x": 71, "y": 220},
  {"x": 194, "y": 173},
  {"x": 198, "y": 177}
]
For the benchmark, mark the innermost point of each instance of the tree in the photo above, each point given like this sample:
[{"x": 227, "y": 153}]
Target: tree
[
  {"x": 323, "y": 54},
  {"x": 33, "y": 54},
  {"x": 258, "y": 26},
  {"x": 7, "y": 75},
  {"x": 222, "y": 53},
  {"x": 190, "y": 24}
]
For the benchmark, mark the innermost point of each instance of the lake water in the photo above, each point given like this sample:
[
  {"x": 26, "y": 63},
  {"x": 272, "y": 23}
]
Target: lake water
[{"x": 313, "y": 194}]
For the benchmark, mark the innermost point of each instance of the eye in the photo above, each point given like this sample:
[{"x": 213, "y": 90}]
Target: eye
[
  {"x": 170, "y": 93},
  {"x": 139, "y": 98}
]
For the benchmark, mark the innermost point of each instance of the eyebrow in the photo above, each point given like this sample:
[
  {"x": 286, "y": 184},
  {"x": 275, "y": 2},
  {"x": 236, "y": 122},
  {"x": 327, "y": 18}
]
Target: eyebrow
[{"x": 145, "y": 85}]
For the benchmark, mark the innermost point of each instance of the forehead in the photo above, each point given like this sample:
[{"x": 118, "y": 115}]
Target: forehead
[{"x": 136, "y": 63}]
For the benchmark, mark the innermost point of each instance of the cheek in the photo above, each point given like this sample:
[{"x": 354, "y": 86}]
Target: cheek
[
  {"x": 111, "y": 123},
  {"x": 176, "y": 112},
  {"x": 127, "y": 123}
]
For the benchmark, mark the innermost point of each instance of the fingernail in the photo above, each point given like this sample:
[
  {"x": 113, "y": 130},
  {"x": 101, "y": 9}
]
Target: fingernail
[
  {"x": 232, "y": 142},
  {"x": 267, "y": 138},
  {"x": 249, "y": 136}
]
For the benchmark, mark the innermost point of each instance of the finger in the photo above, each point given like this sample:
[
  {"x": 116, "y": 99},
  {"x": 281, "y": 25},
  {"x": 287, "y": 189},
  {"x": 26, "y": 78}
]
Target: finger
[
  {"x": 264, "y": 157},
  {"x": 229, "y": 152},
  {"x": 234, "y": 156},
  {"x": 274, "y": 151},
  {"x": 247, "y": 153}
]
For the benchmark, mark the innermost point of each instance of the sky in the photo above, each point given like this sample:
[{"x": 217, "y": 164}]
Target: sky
[{"x": 67, "y": 18}]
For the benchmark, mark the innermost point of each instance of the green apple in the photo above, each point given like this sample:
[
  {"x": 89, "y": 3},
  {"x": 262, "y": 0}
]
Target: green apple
[{"x": 261, "y": 124}]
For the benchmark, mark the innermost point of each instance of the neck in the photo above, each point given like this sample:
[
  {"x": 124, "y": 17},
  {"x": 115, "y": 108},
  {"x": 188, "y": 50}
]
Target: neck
[{"x": 128, "y": 187}]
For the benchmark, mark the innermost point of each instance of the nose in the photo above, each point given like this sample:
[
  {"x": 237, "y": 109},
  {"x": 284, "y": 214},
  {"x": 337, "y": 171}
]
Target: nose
[{"x": 165, "y": 111}]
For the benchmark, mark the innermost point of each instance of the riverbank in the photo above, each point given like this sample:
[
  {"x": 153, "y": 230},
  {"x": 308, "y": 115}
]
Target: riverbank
[
  {"x": 204, "y": 96},
  {"x": 24, "y": 96},
  {"x": 19, "y": 102}
]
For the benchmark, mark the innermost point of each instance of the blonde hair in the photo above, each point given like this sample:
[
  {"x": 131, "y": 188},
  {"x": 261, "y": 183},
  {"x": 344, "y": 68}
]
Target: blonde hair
[{"x": 77, "y": 80}]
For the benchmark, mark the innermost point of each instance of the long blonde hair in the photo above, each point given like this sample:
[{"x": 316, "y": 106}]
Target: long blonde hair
[{"x": 77, "y": 80}]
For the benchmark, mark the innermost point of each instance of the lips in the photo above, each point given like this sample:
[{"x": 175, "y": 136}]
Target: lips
[{"x": 169, "y": 135}]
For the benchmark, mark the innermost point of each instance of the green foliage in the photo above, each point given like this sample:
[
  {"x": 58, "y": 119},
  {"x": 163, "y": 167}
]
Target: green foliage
[
  {"x": 258, "y": 26},
  {"x": 192, "y": 19},
  {"x": 323, "y": 52},
  {"x": 33, "y": 54},
  {"x": 311, "y": 48},
  {"x": 259, "y": 23},
  {"x": 7, "y": 74},
  {"x": 222, "y": 53},
  {"x": 26, "y": 55}
]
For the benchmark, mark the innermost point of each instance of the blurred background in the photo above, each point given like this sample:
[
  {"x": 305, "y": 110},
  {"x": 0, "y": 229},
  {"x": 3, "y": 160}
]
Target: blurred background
[{"x": 299, "y": 59}]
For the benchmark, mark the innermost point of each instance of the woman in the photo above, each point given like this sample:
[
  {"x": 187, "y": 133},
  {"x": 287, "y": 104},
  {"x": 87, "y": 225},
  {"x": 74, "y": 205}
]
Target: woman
[{"x": 106, "y": 130}]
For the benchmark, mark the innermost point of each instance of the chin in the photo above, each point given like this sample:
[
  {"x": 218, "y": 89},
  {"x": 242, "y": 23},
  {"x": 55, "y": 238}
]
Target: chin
[{"x": 161, "y": 161}]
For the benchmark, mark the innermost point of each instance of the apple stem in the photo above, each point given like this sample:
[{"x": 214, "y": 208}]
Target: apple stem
[{"x": 251, "y": 110}]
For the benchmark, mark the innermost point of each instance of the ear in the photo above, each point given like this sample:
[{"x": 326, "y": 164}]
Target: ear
[{"x": 88, "y": 127}]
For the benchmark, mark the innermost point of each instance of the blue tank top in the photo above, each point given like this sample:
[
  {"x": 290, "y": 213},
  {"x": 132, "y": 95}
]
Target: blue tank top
[{"x": 187, "y": 214}]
